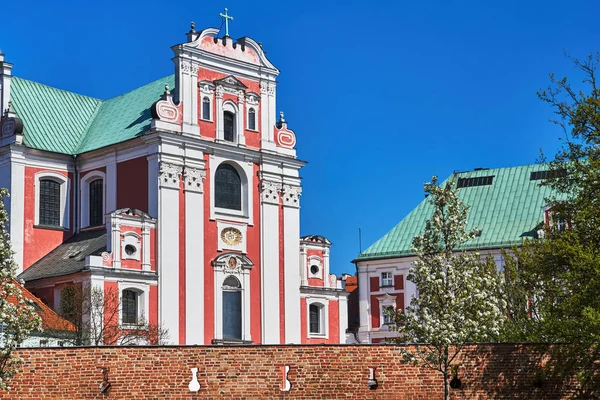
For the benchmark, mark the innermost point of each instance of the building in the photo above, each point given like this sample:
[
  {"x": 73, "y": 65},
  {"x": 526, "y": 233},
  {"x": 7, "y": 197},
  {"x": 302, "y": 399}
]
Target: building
[
  {"x": 56, "y": 331},
  {"x": 183, "y": 195},
  {"x": 507, "y": 204}
]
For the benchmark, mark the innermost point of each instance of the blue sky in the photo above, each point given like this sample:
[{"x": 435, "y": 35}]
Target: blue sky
[{"x": 381, "y": 95}]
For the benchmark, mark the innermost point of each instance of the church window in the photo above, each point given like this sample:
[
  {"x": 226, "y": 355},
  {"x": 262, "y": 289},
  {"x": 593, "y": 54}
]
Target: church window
[
  {"x": 228, "y": 188},
  {"x": 387, "y": 279},
  {"x": 252, "y": 119},
  {"x": 206, "y": 109},
  {"x": 228, "y": 126},
  {"x": 314, "y": 269},
  {"x": 232, "y": 308},
  {"x": 96, "y": 202},
  {"x": 129, "y": 301},
  {"x": 49, "y": 203},
  {"x": 315, "y": 319}
]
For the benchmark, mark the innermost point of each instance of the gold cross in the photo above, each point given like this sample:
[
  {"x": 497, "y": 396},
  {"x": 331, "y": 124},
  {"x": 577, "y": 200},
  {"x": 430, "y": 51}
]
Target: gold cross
[{"x": 226, "y": 18}]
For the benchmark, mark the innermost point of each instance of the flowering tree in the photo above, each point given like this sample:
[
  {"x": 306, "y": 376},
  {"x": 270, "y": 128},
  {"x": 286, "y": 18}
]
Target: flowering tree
[
  {"x": 17, "y": 318},
  {"x": 458, "y": 298}
]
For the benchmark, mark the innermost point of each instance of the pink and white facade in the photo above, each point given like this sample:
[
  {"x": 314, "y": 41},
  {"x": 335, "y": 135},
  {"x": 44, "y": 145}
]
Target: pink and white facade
[{"x": 201, "y": 212}]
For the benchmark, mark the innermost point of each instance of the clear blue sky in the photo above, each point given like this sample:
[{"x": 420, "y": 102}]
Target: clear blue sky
[{"x": 381, "y": 95}]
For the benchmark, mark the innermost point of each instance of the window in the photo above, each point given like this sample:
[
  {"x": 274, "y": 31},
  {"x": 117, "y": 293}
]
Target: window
[
  {"x": 206, "y": 109},
  {"x": 387, "y": 313},
  {"x": 49, "y": 204},
  {"x": 96, "y": 202},
  {"x": 314, "y": 269},
  {"x": 228, "y": 188},
  {"x": 252, "y": 119},
  {"x": 228, "y": 126},
  {"x": 129, "y": 301},
  {"x": 232, "y": 308},
  {"x": 315, "y": 319},
  {"x": 387, "y": 279},
  {"x": 478, "y": 181}
]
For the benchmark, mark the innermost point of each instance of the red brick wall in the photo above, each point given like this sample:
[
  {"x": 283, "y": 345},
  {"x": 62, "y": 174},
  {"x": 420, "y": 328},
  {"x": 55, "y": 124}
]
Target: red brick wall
[{"x": 317, "y": 372}]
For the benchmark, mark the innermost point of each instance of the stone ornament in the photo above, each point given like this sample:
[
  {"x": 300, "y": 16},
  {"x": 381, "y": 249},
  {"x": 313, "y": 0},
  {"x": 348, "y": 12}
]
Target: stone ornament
[
  {"x": 231, "y": 236},
  {"x": 169, "y": 175},
  {"x": 270, "y": 191},
  {"x": 194, "y": 385},
  {"x": 219, "y": 92},
  {"x": 291, "y": 195},
  {"x": 287, "y": 385},
  {"x": 165, "y": 109},
  {"x": 193, "y": 179}
]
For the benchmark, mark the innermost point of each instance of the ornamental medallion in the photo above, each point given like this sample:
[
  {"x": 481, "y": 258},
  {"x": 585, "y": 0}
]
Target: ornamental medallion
[{"x": 231, "y": 236}]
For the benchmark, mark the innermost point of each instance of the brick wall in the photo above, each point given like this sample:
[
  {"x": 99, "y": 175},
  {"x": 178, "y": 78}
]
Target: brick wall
[{"x": 317, "y": 372}]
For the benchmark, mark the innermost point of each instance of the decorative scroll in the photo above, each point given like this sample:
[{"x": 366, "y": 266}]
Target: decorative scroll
[{"x": 165, "y": 109}]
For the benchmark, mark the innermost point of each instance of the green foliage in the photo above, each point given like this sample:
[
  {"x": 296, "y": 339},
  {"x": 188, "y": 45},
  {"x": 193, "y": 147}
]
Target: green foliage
[
  {"x": 459, "y": 297},
  {"x": 17, "y": 318},
  {"x": 553, "y": 284}
]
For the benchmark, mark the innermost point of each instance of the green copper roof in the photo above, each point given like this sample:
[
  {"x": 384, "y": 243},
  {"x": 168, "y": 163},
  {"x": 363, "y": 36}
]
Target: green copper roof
[
  {"x": 506, "y": 212},
  {"x": 63, "y": 122}
]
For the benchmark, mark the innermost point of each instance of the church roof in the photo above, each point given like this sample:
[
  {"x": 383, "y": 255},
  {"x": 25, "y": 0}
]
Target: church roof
[
  {"x": 506, "y": 208},
  {"x": 69, "y": 257},
  {"x": 64, "y": 122}
]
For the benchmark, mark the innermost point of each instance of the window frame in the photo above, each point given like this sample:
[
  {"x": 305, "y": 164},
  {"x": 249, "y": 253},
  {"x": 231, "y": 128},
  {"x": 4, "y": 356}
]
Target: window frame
[
  {"x": 390, "y": 279},
  {"x": 84, "y": 214},
  {"x": 142, "y": 291},
  {"x": 252, "y": 110},
  {"x": 64, "y": 182},
  {"x": 323, "y": 305},
  {"x": 229, "y": 166},
  {"x": 210, "y": 107},
  {"x": 385, "y": 321},
  {"x": 245, "y": 169}
]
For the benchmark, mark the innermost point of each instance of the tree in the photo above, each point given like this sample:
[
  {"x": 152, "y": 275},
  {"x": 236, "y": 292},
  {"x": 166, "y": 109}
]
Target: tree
[
  {"x": 559, "y": 274},
  {"x": 17, "y": 318},
  {"x": 95, "y": 314},
  {"x": 458, "y": 298}
]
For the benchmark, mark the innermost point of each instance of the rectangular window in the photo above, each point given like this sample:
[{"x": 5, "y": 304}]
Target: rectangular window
[
  {"x": 129, "y": 307},
  {"x": 315, "y": 319},
  {"x": 96, "y": 202},
  {"x": 387, "y": 312},
  {"x": 387, "y": 279},
  {"x": 49, "y": 203},
  {"x": 252, "y": 119},
  {"x": 206, "y": 109},
  {"x": 479, "y": 181}
]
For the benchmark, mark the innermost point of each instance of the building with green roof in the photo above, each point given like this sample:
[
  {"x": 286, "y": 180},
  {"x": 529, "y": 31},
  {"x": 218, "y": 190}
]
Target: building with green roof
[
  {"x": 507, "y": 205},
  {"x": 180, "y": 198}
]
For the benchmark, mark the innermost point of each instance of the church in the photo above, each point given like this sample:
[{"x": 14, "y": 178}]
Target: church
[{"x": 182, "y": 195}]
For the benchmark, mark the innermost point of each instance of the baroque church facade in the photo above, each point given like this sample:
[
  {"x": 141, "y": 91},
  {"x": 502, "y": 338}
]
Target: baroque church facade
[{"x": 182, "y": 195}]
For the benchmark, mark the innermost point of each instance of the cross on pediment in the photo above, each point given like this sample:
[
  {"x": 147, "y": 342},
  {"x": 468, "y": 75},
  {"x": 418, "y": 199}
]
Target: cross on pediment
[{"x": 226, "y": 19}]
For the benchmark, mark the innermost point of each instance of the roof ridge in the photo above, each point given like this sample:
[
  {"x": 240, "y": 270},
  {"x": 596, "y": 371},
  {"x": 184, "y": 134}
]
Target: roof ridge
[
  {"x": 59, "y": 89},
  {"x": 140, "y": 87}
]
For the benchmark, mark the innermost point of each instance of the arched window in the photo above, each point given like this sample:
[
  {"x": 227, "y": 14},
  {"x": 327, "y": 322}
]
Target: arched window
[
  {"x": 49, "y": 204},
  {"x": 206, "y": 109},
  {"x": 232, "y": 308},
  {"x": 228, "y": 126},
  {"x": 315, "y": 317},
  {"x": 96, "y": 202},
  {"x": 129, "y": 306},
  {"x": 228, "y": 188},
  {"x": 252, "y": 119}
]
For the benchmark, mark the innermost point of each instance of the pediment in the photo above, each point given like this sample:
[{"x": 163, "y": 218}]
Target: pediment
[{"x": 232, "y": 82}]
